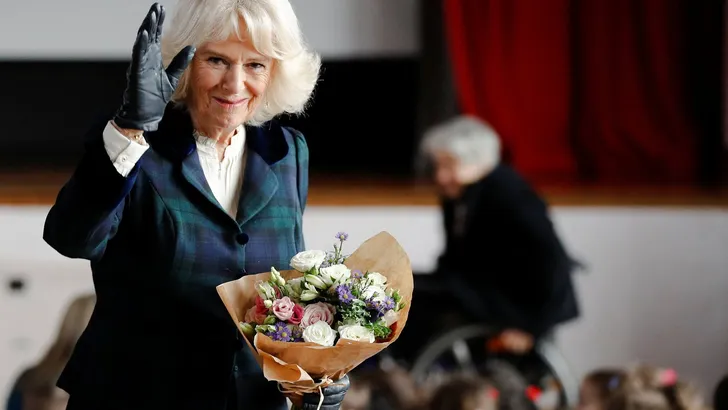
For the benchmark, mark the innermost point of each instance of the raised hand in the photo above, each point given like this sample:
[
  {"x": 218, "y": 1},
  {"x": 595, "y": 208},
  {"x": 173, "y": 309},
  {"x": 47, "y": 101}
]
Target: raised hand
[{"x": 149, "y": 86}]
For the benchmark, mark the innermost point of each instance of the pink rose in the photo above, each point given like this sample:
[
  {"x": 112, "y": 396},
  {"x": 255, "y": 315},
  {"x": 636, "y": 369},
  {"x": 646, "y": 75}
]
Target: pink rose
[
  {"x": 318, "y": 312},
  {"x": 297, "y": 315},
  {"x": 283, "y": 308},
  {"x": 253, "y": 316}
]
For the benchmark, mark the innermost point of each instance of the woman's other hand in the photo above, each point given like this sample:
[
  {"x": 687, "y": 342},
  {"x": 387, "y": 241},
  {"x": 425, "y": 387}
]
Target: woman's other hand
[
  {"x": 333, "y": 396},
  {"x": 516, "y": 341},
  {"x": 149, "y": 86}
]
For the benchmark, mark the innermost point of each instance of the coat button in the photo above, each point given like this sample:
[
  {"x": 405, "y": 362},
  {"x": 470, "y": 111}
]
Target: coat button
[{"x": 242, "y": 238}]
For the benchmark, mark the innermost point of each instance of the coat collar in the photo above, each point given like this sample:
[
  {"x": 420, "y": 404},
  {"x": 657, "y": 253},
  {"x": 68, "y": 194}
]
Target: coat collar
[
  {"x": 265, "y": 146},
  {"x": 174, "y": 139}
]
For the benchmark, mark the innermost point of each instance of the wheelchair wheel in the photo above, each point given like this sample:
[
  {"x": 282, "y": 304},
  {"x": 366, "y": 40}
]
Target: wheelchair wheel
[{"x": 462, "y": 350}]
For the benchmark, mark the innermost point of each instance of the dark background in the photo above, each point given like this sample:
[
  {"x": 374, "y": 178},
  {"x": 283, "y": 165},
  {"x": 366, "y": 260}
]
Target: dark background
[{"x": 361, "y": 120}]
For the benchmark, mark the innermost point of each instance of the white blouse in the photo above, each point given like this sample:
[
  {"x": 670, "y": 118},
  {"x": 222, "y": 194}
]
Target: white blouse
[{"x": 225, "y": 177}]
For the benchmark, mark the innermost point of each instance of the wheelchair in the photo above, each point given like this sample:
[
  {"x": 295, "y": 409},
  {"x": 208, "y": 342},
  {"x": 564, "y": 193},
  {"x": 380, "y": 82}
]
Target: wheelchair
[{"x": 539, "y": 380}]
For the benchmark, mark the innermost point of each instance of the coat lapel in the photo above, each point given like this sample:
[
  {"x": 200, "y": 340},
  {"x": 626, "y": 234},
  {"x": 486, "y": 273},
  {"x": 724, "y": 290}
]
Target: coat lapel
[
  {"x": 260, "y": 183},
  {"x": 265, "y": 146},
  {"x": 193, "y": 173}
]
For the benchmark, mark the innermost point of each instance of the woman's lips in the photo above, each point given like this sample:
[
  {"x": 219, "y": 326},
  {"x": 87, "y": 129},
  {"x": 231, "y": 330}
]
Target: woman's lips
[{"x": 229, "y": 103}]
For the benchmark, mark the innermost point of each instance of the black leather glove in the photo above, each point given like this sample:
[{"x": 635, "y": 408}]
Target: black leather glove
[
  {"x": 333, "y": 396},
  {"x": 149, "y": 86}
]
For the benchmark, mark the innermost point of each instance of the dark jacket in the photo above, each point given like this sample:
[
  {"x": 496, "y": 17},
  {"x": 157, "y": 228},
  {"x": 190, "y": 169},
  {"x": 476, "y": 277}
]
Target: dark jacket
[
  {"x": 159, "y": 244},
  {"x": 503, "y": 257}
]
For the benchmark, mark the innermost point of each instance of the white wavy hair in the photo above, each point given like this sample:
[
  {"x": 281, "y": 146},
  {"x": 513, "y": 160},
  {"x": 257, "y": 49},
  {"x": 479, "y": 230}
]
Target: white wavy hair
[
  {"x": 275, "y": 32},
  {"x": 469, "y": 139}
]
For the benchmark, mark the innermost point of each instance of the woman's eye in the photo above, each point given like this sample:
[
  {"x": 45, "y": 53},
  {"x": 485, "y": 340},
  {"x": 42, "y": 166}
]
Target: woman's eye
[
  {"x": 256, "y": 66},
  {"x": 216, "y": 60}
]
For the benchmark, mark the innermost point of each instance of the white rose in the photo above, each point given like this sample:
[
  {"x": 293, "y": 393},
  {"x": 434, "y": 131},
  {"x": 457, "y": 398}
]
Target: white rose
[
  {"x": 390, "y": 317},
  {"x": 335, "y": 274},
  {"x": 376, "y": 279},
  {"x": 376, "y": 293},
  {"x": 356, "y": 332},
  {"x": 307, "y": 260},
  {"x": 319, "y": 333}
]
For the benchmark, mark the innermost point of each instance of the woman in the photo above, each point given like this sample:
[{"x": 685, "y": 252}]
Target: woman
[
  {"x": 191, "y": 184},
  {"x": 36, "y": 387},
  {"x": 521, "y": 282}
]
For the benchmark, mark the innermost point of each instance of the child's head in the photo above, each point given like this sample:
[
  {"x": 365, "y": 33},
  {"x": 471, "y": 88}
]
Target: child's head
[
  {"x": 598, "y": 387},
  {"x": 641, "y": 388},
  {"x": 464, "y": 393}
]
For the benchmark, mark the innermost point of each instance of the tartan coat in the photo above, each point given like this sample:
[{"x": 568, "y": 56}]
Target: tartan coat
[{"x": 158, "y": 244}]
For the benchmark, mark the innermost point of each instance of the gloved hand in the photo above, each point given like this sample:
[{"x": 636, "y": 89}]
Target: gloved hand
[
  {"x": 333, "y": 396},
  {"x": 149, "y": 86}
]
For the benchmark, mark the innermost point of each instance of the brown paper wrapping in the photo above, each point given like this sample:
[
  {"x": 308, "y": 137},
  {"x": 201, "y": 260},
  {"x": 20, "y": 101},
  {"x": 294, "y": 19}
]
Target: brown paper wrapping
[{"x": 301, "y": 363}]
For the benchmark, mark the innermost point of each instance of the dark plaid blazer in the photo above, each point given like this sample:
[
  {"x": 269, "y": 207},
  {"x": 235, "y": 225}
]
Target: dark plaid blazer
[{"x": 159, "y": 243}]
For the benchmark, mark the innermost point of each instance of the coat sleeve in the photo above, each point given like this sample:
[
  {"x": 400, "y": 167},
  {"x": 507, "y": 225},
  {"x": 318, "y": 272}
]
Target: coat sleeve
[{"x": 90, "y": 205}]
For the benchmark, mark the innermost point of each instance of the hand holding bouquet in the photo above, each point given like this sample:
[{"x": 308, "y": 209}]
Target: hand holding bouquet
[{"x": 312, "y": 325}]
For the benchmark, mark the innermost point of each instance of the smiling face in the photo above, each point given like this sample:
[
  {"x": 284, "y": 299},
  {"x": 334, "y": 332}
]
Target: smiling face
[{"x": 228, "y": 80}]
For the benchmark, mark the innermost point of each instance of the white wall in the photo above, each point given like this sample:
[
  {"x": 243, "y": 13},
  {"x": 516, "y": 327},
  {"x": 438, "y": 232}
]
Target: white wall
[
  {"x": 656, "y": 289},
  {"x": 105, "y": 29}
]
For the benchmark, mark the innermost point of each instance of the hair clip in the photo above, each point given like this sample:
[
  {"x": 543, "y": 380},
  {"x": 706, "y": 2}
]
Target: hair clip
[
  {"x": 533, "y": 393},
  {"x": 613, "y": 383},
  {"x": 668, "y": 377}
]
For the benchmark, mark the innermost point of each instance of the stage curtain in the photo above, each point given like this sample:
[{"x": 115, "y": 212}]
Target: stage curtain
[{"x": 591, "y": 91}]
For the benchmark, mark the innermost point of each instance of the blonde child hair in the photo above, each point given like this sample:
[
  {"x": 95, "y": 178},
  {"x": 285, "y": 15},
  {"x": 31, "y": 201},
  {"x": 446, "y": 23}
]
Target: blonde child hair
[
  {"x": 646, "y": 387},
  {"x": 464, "y": 393},
  {"x": 38, "y": 384}
]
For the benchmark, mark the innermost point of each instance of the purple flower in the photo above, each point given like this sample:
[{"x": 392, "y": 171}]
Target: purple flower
[
  {"x": 378, "y": 308},
  {"x": 388, "y": 304},
  {"x": 344, "y": 294},
  {"x": 375, "y": 308},
  {"x": 342, "y": 236},
  {"x": 296, "y": 333},
  {"x": 282, "y": 333},
  {"x": 356, "y": 274}
]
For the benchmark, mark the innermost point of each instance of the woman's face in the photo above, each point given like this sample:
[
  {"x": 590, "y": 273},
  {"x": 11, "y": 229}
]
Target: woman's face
[
  {"x": 451, "y": 175},
  {"x": 227, "y": 82}
]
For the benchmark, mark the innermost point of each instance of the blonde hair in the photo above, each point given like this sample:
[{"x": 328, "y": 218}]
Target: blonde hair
[
  {"x": 41, "y": 379},
  {"x": 650, "y": 388},
  {"x": 273, "y": 27}
]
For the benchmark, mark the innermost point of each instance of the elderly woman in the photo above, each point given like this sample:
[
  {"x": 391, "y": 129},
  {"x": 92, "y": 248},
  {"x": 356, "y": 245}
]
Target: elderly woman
[
  {"x": 502, "y": 258},
  {"x": 188, "y": 185}
]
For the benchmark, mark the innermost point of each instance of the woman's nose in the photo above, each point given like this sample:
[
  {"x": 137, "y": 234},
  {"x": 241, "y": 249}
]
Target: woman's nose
[{"x": 234, "y": 80}]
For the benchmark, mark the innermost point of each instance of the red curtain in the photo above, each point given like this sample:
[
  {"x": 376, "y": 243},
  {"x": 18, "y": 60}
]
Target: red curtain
[
  {"x": 511, "y": 66},
  {"x": 582, "y": 90}
]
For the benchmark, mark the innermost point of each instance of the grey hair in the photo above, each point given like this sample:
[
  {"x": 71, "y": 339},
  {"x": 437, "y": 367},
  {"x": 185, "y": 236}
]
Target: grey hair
[
  {"x": 469, "y": 139},
  {"x": 275, "y": 32}
]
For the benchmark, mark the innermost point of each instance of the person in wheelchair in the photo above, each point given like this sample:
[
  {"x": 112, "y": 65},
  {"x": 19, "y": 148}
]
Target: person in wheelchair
[{"x": 503, "y": 264}]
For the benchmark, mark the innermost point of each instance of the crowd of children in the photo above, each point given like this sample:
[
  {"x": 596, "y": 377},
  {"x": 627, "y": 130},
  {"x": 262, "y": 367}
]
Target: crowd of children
[{"x": 640, "y": 387}]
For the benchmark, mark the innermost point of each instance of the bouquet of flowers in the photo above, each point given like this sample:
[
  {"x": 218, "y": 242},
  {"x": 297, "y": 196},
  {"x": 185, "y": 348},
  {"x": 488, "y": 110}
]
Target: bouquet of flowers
[
  {"x": 330, "y": 301},
  {"x": 311, "y": 325}
]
